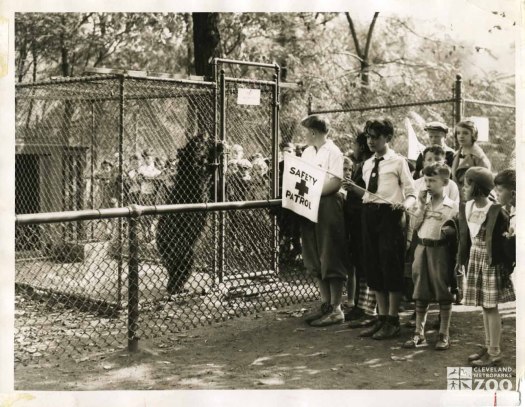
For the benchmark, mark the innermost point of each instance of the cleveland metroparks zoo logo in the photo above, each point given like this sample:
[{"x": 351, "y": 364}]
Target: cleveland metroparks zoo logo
[{"x": 479, "y": 378}]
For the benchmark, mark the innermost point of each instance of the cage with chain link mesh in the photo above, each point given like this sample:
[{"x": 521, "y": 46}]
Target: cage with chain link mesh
[
  {"x": 105, "y": 143},
  {"x": 410, "y": 111}
]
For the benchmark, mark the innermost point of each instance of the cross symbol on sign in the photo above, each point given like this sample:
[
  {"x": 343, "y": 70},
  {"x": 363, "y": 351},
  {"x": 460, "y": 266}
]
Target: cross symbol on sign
[{"x": 301, "y": 187}]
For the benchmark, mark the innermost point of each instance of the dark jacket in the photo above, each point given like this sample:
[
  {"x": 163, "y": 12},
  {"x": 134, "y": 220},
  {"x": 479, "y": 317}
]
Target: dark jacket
[
  {"x": 452, "y": 246},
  {"x": 496, "y": 224}
]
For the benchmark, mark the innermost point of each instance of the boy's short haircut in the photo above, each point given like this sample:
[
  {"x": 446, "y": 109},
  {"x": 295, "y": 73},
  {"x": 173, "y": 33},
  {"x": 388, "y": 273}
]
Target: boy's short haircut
[
  {"x": 287, "y": 144},
  {"x": 437, "y": 169},
  {"x": 316, "y": 122},
  {"x": 506, "y": 179},
  {"x": 347, "y": 159},
  {"x": 436, "y": 150},
  {"x": 381, "y": 126},
  {"x": 106, "y": 162}
]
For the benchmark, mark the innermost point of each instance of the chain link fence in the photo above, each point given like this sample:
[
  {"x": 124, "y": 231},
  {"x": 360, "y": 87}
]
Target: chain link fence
[
  {"x": 105, "y": 143},
  {"x": 71, "y": 307},
  {"x": 421, "y": 107}
]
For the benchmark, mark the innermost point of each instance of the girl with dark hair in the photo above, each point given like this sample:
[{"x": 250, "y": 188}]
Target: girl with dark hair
[{"x": 481, "y": 250}]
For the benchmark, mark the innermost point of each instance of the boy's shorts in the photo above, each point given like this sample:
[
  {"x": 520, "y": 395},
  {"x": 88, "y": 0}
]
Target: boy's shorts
[
  {"x": 324, "y": 247},
  {"x": 383, "y": 247}
]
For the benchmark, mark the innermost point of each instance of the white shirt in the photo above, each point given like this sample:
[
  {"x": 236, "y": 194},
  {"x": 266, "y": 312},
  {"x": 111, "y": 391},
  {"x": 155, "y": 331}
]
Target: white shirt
[
  {"x": 451, "y": 189},
  {"x": 395, "y": 181},
  {"x": 149, "y": 172},
  {"x": 328, "y": 157},
  {"x": 512, "y": 220},
  {"x": 432, "y": 219},
  {"x": 476, "y": 217}
]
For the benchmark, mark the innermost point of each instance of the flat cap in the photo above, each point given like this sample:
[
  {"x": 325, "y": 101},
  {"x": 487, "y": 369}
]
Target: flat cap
[{"x": 436, "y": 126}]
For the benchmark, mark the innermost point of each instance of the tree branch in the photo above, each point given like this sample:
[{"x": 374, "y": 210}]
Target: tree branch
[
  {"x": 369, "y": 36},
  {"x": 354, "y": 34}
]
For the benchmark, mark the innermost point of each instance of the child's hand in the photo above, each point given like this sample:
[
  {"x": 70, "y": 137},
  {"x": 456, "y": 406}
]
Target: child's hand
[
  {"x": 510, "y": 233},
  {"x": 422, "y": 196},
  {"x": 347, "y": 184},
  {"x": 398, "y": 206}
]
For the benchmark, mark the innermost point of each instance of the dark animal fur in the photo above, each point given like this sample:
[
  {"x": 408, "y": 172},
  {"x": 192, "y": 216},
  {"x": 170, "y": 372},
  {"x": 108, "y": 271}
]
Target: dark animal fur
[{"x": 178, "y": 233}]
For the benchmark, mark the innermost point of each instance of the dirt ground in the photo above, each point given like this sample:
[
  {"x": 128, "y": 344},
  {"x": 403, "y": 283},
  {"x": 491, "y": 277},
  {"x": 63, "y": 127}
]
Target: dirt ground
[{"x": 274, "y": 350}]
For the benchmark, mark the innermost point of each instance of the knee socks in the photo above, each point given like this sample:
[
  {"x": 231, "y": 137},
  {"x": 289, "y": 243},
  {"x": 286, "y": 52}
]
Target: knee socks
[
  {"x": 336, "y": 293},
  {"x": 494, "y": 330},
  {"x": 445, "y": 311},
  {"x": 421, "y": 316}
]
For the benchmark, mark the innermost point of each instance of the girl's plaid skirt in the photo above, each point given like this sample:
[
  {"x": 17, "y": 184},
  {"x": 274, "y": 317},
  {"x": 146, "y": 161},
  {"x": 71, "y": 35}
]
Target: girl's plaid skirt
[{"x": 486, "y": 285}]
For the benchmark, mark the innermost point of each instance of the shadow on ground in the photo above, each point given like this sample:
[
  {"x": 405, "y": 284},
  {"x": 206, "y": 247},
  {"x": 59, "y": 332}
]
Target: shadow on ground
[{"x": 274, "y": 350}]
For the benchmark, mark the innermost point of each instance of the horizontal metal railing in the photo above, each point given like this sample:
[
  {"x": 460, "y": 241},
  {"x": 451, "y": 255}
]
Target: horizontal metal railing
[
  {"x": 139, "y": 210},
  {"x": 134, "y": 212}
]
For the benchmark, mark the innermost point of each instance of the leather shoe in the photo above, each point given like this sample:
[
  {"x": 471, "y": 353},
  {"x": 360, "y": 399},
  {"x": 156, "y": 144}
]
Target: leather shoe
[
  {"x": 353, "y": 314},
  {"x": 416, "y": 341},
  {"x": 443, "y": 343},
  {"x": 363, "y": 322},
  {"x": 387, "y": 331},
  {"x": 335, "y": 317},
  {"x": 487, "y": 360},
  {"x": 479, "y": 354},
  {"x": 367, "y": 333},
  {"x": 325, "y": 308}
]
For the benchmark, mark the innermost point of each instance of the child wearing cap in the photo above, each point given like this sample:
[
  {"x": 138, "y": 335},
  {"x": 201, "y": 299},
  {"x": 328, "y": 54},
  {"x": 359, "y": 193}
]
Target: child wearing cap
[
  {"x": 481, "y": 250},
  {"x": 323, "y": 243},
  {"x": 437, "y": 133},
  {"x": 469, "y": 154},
  {"x": 390, "y": 191},
  {"x": 433, "y": 266}
]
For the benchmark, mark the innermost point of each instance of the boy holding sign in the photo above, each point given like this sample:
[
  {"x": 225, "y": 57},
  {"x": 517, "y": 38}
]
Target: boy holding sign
[{"x": 323, "y": 243}]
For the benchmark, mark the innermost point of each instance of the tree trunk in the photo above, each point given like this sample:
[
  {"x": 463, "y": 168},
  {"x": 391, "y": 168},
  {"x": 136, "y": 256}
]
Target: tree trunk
[{"x": 206, "y": 41}]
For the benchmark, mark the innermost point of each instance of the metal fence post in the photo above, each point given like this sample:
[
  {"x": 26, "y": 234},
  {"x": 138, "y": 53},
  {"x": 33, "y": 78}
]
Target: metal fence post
[
  {"x": 222, "y": 172},
  {"x": 458, "y": 96},
  {"x": 216, "y": 172},
  {"x": 133, "y": 281},
  {"x": 275, "y": 162},
  {"x": 120, "y": 186},
  {"x": 92, "y": 166}
]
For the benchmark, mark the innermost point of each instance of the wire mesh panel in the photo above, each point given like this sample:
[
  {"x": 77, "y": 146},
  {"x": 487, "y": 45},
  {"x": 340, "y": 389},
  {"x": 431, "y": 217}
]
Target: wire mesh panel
[
  {"x": 203, "y": 296},
  {"x": 69, "y": 303},
  {"x": 249, "y": 133},
  {"x": 64, "y": 132},
  {"x": 68, "y": 300},
  {"x": 345, "y": 124},
  {"x": 500, "y": 145}
]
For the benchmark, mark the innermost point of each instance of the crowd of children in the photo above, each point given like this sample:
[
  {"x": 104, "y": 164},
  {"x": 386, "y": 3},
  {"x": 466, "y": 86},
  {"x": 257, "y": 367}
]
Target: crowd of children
[{"x": 450, "y": 223}]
